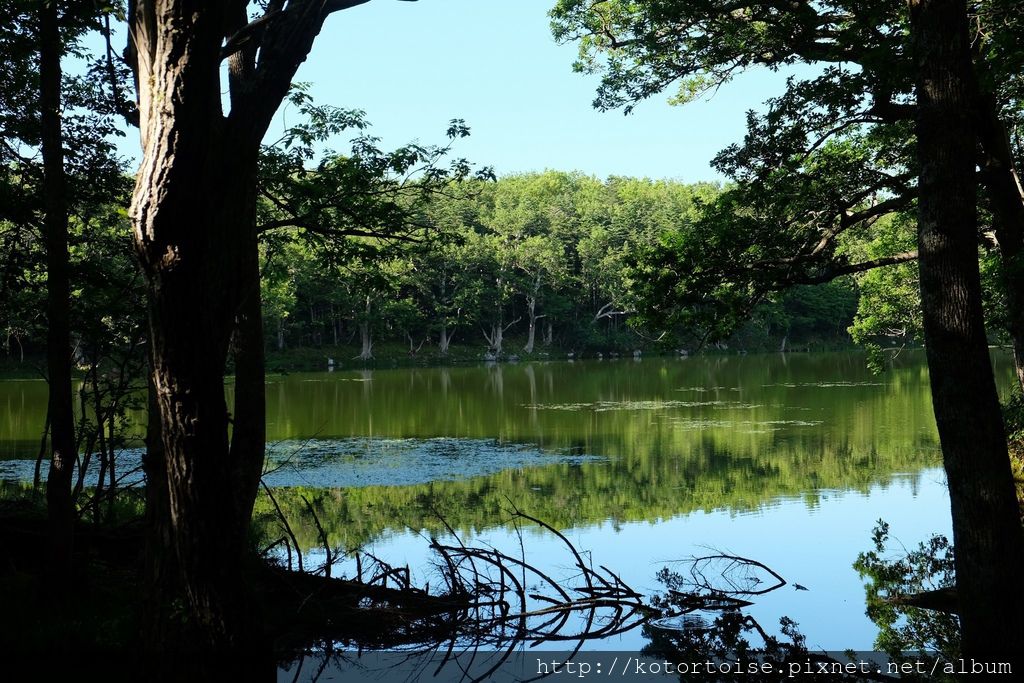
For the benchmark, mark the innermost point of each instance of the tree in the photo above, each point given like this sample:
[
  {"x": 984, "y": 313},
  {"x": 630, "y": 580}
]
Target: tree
[
  {"x": 834, "y": 153},
  {"x": 278, "y": 286},
  {"x": 58, "y": 287},
  {"x": 348, "y": 215},
  {"x": 196, "y": 229},
  {"x": 987, "y": 532},
  {"x": 58, "y": 165},
  {"x": 491, "y": 291},
  {"x": 374, "y": 283},
  {"x": 560, "y": 243},
  {"x": 833, "y": 156},
  {"x": 195, "y": 232},
  {"x": 438, "y": 285},
  {"x": 889, "y": 305},
  {"x": 528, "y": 214}
]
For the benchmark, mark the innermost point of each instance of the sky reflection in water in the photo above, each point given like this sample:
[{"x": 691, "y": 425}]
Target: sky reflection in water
[{"x": 789, "y": 460}]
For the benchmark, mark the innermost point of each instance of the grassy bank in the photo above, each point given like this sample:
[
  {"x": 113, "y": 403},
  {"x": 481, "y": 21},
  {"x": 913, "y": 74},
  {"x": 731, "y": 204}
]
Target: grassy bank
[
  {"x": 389, "y": 354},
  {"x": 308, "y": 359},
  {"x": 305, "y": 359},
  {"x": 13, "y": 367}
]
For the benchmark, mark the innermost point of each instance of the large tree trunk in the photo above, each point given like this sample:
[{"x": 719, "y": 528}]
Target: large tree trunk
[
  {"x": 986, "y": 524},
  {"x": 193, "y": 214},
  {"x": 193, "y": 222},
  {"x": 58, "y": 298},
  {"x": 249, "y": 436},
  {"x": 1006, "y": 196},
  {"x": 207, "y": 482},
  {"x": 161, "y": 569}
]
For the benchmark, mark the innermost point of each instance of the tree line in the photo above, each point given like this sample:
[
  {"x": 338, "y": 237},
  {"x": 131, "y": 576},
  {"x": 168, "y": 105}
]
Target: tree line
[{"x": 544, "y": 257}]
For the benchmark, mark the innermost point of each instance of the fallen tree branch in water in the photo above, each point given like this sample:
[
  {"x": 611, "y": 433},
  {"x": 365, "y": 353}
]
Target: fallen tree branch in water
[
  {"x": 489, "y": 603},
  {"x": 287, "y": 527},
  {"x": 488, "y": 599},
  {"x": 740, "y": 575}
]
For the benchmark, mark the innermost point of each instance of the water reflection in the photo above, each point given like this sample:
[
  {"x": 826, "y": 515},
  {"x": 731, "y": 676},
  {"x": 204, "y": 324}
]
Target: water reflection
[
  {"x": 788, "y": 459},
  {"x": 727, "y": 613},
  {"x": 884, "y": 412}
]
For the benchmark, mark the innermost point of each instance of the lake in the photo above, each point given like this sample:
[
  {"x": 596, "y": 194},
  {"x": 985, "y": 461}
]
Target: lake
[{"x": 786, "y": 459}]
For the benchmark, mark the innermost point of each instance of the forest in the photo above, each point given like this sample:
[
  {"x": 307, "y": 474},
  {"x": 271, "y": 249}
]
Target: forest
[
  {"x": 168, "y": 319},
  {"x": 545, "y": 259}
]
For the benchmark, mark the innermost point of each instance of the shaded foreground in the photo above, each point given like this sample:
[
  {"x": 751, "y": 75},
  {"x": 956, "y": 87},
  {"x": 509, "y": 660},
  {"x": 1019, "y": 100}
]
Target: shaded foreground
[{"x": 485, "y": 606}]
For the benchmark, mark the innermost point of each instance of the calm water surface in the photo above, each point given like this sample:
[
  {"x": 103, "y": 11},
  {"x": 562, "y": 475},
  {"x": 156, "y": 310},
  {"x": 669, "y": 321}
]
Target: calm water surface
[{"x": 786, "y": 459}]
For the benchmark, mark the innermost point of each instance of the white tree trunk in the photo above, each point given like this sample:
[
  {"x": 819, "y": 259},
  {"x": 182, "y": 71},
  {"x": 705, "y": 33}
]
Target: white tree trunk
[
  {"x": 445, "y": 340},
  {"x": 365, "y": 334},
  {"x": 497, "y": 338},
  {"x": 531, "y": 306},
  {"x": 367, "y": 341},
  {"x": 334, "y": 325}
]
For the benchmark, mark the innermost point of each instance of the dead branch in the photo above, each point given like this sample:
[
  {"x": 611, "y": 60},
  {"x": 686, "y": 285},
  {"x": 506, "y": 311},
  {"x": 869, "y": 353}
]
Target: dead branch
[
  {"x": 329, "y": 557},
  {"x": 739, "y": 574},
  {"x": 286, "y": 525}
]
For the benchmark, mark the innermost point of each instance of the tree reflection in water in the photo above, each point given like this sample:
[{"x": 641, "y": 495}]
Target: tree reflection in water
[
  {"x": 704, "y": 624},
  {"x": 501, "y": 608}
]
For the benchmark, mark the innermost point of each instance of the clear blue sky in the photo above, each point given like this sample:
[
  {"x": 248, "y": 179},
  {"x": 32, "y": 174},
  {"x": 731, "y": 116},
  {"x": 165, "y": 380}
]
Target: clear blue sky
[{"x": 413, "y": 66}]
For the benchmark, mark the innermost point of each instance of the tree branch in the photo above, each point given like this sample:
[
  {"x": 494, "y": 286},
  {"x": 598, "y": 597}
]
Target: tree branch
[
  {"x": 251, "y": 33},
  {"x": 840, "y": 269},
  {"x": 608, "y": 311},
  {"x": 851, "y": 218},
  {"x": 327, "y": 231}
]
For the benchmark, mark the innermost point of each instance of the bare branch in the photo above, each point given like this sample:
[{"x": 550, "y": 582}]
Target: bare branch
[{"x": 608, "y": 311}]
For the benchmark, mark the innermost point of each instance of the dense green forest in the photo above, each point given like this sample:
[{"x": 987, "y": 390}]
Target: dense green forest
[
  {"x": 544, "y": 260},
  {"x": 522, "y": 265}
]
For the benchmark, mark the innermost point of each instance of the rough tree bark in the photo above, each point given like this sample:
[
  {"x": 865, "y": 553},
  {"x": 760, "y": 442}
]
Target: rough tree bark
[
  {"x": 193, "y": 216},
  {"x": 986, "y": 524},
  {"x": 60, "y": 410},
  {"x": 161, "y": 572},
  {"x": 1006, "y": 197}
]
